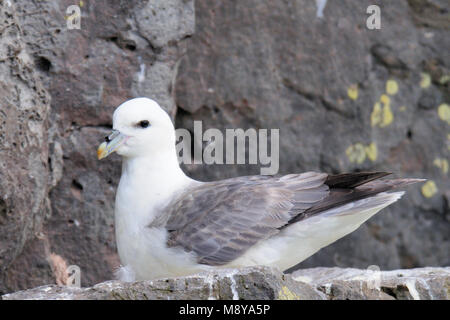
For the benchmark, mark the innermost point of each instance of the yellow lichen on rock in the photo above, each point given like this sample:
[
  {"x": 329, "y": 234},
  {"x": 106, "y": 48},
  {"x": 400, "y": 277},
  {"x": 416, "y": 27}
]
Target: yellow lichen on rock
[
  {"x": 356, "y": 153},
  {"x": 352, "y": 92},
  {"x": 444, "y": 112},
  {"x": 388, "y": 116},
  {"x": 441, "y": 164},
  {"x": 391, "y": 87},
  {"x": 425, "y": 81},
  {"x": 444, "y": 79},
  {"x": 375, "y": 117},
  {"x": 384, "y": 99},
  {"x": 382, "y": 116},
  {"x": 429, "y": 189},
  {"x": 372, "y": 151},
  {"x": 286, "y": 294}
]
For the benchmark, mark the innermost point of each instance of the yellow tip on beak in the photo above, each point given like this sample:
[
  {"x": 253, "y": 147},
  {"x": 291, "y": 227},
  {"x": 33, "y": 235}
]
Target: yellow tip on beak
[
  {"x": 113, "y": 141},
  {"x": 102, "y": 151}
]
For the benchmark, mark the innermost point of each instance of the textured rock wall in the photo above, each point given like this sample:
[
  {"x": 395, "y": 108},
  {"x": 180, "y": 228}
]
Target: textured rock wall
[
  {"x": 24, "y": 151},
  {"x": 345, "y": 98},
  {"x": 123, "y": 49}
]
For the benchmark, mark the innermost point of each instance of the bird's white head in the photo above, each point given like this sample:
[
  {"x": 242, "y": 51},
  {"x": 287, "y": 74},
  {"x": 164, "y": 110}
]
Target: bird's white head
[{"x": 141, "y": 128}]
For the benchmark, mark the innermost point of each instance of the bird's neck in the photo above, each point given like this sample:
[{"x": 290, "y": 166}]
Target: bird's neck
[
  {"x": 147, "y": 184},
  {"x": 160, "y": 165}
]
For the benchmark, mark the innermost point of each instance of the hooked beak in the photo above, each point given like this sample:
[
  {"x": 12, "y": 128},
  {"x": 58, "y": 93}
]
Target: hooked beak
[{"x": 112, "y": 142}]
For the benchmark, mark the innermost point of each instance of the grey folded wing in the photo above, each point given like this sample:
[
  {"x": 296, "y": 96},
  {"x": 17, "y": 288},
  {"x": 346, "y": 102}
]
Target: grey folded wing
[{"x": 220, "y": 220}]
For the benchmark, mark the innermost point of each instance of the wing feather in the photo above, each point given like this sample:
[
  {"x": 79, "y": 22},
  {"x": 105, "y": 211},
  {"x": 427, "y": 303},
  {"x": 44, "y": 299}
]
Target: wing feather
[{"x": 220, "y": 220}]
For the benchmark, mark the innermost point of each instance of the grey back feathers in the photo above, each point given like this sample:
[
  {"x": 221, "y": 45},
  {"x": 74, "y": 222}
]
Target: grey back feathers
[{"x": 219, "y": 221}]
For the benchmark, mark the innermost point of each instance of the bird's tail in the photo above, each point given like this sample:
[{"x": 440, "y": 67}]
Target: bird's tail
[{"x": 341, "y": 196}]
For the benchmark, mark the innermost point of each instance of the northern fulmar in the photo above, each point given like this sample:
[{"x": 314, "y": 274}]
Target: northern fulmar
[{"x": 168, "y": 224}]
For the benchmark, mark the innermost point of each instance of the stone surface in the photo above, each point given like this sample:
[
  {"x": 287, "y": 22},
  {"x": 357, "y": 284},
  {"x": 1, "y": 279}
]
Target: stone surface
[
  {"x": 24, "y": 151},
  {"x": 407, "y": 284},
  {"x": 227, "y": 284},
  {"x": 262, "y": 283}
]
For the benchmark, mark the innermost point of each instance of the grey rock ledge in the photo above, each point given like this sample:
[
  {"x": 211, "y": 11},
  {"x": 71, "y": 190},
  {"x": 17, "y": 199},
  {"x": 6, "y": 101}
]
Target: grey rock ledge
[{"x": 265, "y": 283}]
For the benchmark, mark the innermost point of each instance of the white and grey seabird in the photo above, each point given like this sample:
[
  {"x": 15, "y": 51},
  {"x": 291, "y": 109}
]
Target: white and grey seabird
[{"x": 168, "y": 224}]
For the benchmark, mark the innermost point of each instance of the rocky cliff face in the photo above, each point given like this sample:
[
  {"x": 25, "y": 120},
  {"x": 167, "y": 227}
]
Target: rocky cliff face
[
  {"x": 24, "y": 143},
  {"x": 262, "y": 283},
  {"x": 122, "y": 50},
  {"x": 344, "y": 98}
]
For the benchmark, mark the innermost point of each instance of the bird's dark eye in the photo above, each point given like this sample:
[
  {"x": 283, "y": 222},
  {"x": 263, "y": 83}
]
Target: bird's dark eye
[{"x": 144, "y": 124}]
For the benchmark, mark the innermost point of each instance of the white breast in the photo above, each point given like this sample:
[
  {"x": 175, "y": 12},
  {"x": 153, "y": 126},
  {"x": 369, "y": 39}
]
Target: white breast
[{"x": 142, "y": 249}]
